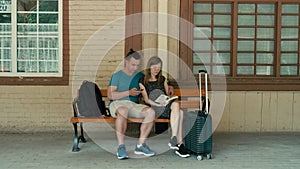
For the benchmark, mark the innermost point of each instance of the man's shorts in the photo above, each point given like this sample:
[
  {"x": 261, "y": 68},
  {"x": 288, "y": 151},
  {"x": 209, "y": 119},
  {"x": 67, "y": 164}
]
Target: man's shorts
[{"x": 134, "y": 109}]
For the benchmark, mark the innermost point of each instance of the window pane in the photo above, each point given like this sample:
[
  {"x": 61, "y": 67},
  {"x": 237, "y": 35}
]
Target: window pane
[
  {"x": 288, "y": 70},
  {"x": 201, "y": 58},
  {"x": 202, "y": 7},
  {"x": 246, "y": 33},
  {"x": 48, "y": 54},
  {"x": 221, "y": 45},
  {"x": 27, "y": 42},
  {"x": 5, "y": 42},
  {"x": 264, "y": 70},
  {"x": 289, "y": 45},
  {"x": 290, "y": 21},
  {"x": 28, "y": 29},
  {"x": 48, "y": 42},
  {"x": 222, "y": 58},
  {"x": 202, "y": 32},
  {"x": 5, "y": 54},
  {"x": 202, "y": 19},
  {"x": 265, "y": 33},
  {"x": 289, "y": 58},
  {"x": 5, "y": 17},
  {"x": 202, "y": 45},
  {"x": 5, "y": 66},
  {"x": 27, "y": 54},
  {"x": 265, "y": 8},
  {"x": 197, "y": 68},
  {"x": 222, "y": 8},
  {"x": 245, "y": 45},
  {"x": 48, "y": 67},
  {"x": 265, "y": 58},
  {"x": 245, "y": 58},
  {"x": 265, "y": 20},
  {"x": 48, "y": 18},
  {"x": 5, "y": 36},
  {"x": 27, "y": 18},
  {"x": 5, "y": 5},
  {"x": 48, "y": 5},
  {"x": 222, "y": 32},
  {"x": 49, "y": 29},
  {"x": 221, "y": 70},
  {"x": 246, "y": 8},
  {"x": 27, "y": 66},
  {"x": 245, "y": 70},
  {"x": 246, "y": 20},
  {"x": 265, "y": 46},
  {"x": 290, "y": 8},
  {"x": 27, "y": 5},
  {"x": 222, "y": 20},
  {"x": 289, "y": 33}
]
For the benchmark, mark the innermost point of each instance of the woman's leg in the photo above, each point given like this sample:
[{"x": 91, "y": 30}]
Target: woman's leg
[
  {"x": 180, "y": 126},
  {"x": 175, "y": 118}
]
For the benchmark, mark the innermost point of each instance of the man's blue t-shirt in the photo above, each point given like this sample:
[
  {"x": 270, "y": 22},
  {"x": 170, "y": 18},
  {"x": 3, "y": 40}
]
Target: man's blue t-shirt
[{"x": 123, "y": 82}]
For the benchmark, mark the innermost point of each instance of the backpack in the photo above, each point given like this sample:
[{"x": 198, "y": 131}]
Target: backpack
[{"x": 90, "y": 103}]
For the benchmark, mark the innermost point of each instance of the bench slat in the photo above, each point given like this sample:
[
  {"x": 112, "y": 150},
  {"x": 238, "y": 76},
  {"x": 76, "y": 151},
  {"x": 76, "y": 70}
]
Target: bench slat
[
  {"x": 184, "y": 104},
  {"x": 111, "y": 120},
  {"x": 177, "y": 92}
]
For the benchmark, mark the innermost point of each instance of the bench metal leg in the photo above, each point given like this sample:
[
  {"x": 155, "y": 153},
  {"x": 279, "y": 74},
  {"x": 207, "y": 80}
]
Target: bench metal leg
[
  {"x": 75, "y": 144},
  {"x": 81, "y": 137}
]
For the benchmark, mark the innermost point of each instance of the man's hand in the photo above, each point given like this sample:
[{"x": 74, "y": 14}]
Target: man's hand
[{"x": 134, "y": 92}]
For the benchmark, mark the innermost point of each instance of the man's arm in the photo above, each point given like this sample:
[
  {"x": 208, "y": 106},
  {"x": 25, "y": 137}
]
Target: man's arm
[{"x": 113, "y": 94}]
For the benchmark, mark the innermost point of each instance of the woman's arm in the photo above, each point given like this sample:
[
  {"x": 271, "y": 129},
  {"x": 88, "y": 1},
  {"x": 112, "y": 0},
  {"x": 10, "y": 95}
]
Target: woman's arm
[
  {"x": 169, "y": 89},
  {"x": 146, "y": 98}
]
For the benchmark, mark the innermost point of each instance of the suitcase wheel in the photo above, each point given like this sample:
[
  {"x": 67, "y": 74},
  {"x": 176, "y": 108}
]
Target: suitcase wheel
[
  {"x": 208, "y": 156},
  {"x": 199, "y": 157}
]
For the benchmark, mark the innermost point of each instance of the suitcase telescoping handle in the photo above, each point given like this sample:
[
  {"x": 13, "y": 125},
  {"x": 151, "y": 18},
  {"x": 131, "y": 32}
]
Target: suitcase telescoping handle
[{"x": 206, "y": 90}]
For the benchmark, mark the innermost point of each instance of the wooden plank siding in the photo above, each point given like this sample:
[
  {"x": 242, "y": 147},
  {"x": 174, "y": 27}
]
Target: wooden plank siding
[{"x": 261, "y": 112}]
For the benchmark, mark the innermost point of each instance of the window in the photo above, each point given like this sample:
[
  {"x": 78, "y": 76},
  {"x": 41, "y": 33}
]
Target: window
[
  {"x": 289, "y": 60},
  {"x": 255, "y": 44},
  {"x": 212, "y": 37},
  {"x": 255, "y": 41},
  {"x": 31, "y": 39}
]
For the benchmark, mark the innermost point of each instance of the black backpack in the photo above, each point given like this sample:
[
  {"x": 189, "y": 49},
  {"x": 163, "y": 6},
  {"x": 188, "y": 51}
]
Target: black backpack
[{"x": 90, "y": 103}]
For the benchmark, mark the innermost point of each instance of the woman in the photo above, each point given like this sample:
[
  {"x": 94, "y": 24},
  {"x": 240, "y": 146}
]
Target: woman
[{"x": 153, "y": 85}]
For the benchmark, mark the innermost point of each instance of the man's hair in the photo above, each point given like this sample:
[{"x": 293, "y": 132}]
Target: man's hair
[{"x": 133, "y": 54}]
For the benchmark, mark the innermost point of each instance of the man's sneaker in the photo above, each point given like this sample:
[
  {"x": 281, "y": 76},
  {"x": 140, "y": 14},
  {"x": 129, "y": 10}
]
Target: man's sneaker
[
  {"x": 121, "y": 153},
  {"x": 145, "y": 150},
  {"x": 182, "y": 152},
  {"x": 173, "y": 143}
]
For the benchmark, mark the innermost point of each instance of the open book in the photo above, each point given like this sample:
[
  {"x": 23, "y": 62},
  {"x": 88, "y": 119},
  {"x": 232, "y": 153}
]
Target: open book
[{"x": 164, "y": 98}]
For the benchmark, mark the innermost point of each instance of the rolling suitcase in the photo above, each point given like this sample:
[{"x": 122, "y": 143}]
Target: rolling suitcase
[{"x": 198, "y": 126}]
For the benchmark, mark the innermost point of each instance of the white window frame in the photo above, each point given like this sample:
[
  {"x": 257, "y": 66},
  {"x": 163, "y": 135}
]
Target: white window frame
[{"x": 14, "y": 37}]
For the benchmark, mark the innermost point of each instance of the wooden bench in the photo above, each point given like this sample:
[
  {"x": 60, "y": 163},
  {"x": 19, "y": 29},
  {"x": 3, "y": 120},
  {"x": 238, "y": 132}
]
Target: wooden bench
[{"x": 75, "y": 120}]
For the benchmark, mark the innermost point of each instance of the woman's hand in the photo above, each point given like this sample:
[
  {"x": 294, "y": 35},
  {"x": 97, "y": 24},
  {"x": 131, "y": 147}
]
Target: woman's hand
[
  {"x": 170, "y": 91},
  {"x": 163, "y": 104}
]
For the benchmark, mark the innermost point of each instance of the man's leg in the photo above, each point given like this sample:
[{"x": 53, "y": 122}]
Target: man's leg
[
  {"x": 149, "y": 115},
  {"x": 121, "y": 124}
]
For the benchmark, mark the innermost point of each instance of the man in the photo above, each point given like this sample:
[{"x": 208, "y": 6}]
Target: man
[{"x": 123, "y": 91}]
